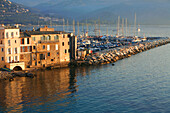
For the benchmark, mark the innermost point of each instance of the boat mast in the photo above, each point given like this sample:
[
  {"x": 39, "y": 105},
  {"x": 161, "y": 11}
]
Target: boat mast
[
  {"x": 126, "y": 26},
  {"x": 135, "y": 26},
  {"x": 63, "y": 24},
  {"x": 67, "y": 25},
  {"x": 83, "y": 29},
  {"x": 122, "y": 26},
  {"x": 78, "y": 29},
  {"x": 99, "y": 26},
  {"x": 112, "y": 30},
  {"x": 74, "y": 27},
  {"x": 95, "y": 30},
  {"x": 118, "y": 26},
  {"x": 87, "y": 27},
  {"x": 129, "y": 30}
]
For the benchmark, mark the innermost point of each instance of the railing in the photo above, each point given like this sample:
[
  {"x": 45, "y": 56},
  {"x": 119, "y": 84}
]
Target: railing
[{"x": 48, "y": 41}]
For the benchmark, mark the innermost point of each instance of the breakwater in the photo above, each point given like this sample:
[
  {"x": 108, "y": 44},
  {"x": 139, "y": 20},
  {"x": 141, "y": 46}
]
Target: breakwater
[
  {"x": 11, "y": 75},
  {"x": 113, "y": 55}
]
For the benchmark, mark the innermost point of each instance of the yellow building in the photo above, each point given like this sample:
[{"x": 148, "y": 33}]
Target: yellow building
[
  {"x": 41, "y": 48},
  {"x": 10, "y": 47},
  {"x": 49, "y": 47}
]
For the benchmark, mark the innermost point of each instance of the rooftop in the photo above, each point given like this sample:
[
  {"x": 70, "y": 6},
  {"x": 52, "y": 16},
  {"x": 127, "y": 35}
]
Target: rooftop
[{"x": 29, "y": 33}]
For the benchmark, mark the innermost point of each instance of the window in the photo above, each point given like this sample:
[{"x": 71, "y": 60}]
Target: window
[
  {"x": 49, "y": 37},
  {"x": 23, "y": 49},
  {"x": 2, "y": 58},
  {"x": 28, "y": 49},
  {"x": 33, "y": 38},
  {"x": 16, "y": 58},
  {"x": 63, "y": 36},
  {"x": 8, "y": 59},
  {"x": 7, "y": 35},
  {"x": 42, "y": 57},
  {"x": 48, "y": 54},
  {"x": 9, "y": 43},
  {"x": 56, "y": 46},
  {"x": 56, "y": 37},
  {"x": 63, "y": 43},
  {"x": 43, "y": 37},
  {"x": 34, "y": 47},
  {"x": 43, "y": 46},
  {"x": 15, "y": 51},
  {"x": 68, "y": 43},
  {"x": 57, "y": 53},
  {"x": 12, "y": 34},
  {"x": 69, "y": 50},
  {"x": 9, "y": 50},
  {"x": 3, "y": 35},
  {"x": 1, "y": 41},
  {"x": 21, "y": 56},
  {"x": 48, "y": 47},
  {"x": 15, "y": 41},
  {"x": 22, "y": 41},
  {"x": 2, "y": 49},
  {"x": 28, "y": 41},
  {"x": 65, "y": 50}
]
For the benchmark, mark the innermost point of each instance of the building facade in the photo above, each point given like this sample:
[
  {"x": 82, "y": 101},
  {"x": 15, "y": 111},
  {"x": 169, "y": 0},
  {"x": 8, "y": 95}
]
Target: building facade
[
  {"x": 41, "y": 48},
  {"x": 9, "y": 46}
]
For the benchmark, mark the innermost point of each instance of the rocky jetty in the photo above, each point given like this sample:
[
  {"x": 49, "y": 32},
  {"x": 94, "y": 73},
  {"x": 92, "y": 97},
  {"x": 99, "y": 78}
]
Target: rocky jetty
[
  {"x": 4, "y": 75},
  {"x": 113, "y": 55}
]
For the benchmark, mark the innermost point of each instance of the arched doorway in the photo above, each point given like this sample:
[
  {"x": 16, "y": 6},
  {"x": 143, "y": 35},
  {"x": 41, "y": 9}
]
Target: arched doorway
[{"x": 17, "y": 68}]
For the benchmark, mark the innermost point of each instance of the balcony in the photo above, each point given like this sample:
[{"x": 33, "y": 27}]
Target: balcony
[{"x": 48, "y": 41}]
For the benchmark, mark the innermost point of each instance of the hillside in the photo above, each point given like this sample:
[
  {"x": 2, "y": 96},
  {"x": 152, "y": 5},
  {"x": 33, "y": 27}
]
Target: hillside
[
  {"x": 11, "y": 13},
  {"x": 148, "y": 11},
  {"x": 29, "y": 3}
]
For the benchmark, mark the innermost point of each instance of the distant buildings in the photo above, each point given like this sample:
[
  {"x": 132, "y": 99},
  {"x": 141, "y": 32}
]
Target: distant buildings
[{"x": 31, "y": 49}]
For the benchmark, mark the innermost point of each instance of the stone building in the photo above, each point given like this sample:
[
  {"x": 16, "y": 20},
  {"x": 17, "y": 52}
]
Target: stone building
[
  {"x": 41, "y": 48},
  {"x": 49, "y": 47},
  {"x": 10, "y": 47}
]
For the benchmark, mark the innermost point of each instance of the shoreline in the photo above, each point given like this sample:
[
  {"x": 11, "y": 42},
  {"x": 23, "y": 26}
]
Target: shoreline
[{"x": 99, "y": 58}]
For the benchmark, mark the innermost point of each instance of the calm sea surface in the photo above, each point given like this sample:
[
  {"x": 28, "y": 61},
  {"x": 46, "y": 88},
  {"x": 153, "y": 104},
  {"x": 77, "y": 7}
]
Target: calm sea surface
[{"x": 140, "y": 83}]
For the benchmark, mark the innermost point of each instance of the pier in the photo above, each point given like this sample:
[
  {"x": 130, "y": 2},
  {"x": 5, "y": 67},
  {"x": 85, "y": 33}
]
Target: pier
[{"x": 115, "y": 54}]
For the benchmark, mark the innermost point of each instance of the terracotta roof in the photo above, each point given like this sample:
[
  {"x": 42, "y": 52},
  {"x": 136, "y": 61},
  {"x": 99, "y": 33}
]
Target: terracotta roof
[{"x": 29, "y": 33}]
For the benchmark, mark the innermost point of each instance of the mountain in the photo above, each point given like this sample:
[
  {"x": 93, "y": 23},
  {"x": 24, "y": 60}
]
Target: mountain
[
  {"x": 12, "y": 13},
  {"x": 71, "y": 8},
  {"x": 148, "y": 11},
  {"x": 29, "y": 3}
]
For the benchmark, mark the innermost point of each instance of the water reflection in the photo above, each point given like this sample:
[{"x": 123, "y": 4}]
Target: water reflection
[{"x": 48, "y": 86}]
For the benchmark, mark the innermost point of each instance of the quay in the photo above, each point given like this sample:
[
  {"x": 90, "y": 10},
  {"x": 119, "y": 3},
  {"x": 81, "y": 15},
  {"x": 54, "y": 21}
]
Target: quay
[{"x": 113, "y": 55}]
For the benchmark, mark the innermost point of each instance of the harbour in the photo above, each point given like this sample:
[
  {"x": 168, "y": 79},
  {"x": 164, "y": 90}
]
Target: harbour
[
  {"x": 84, "y": 56},
  {"x": 137, "y": 84}
]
